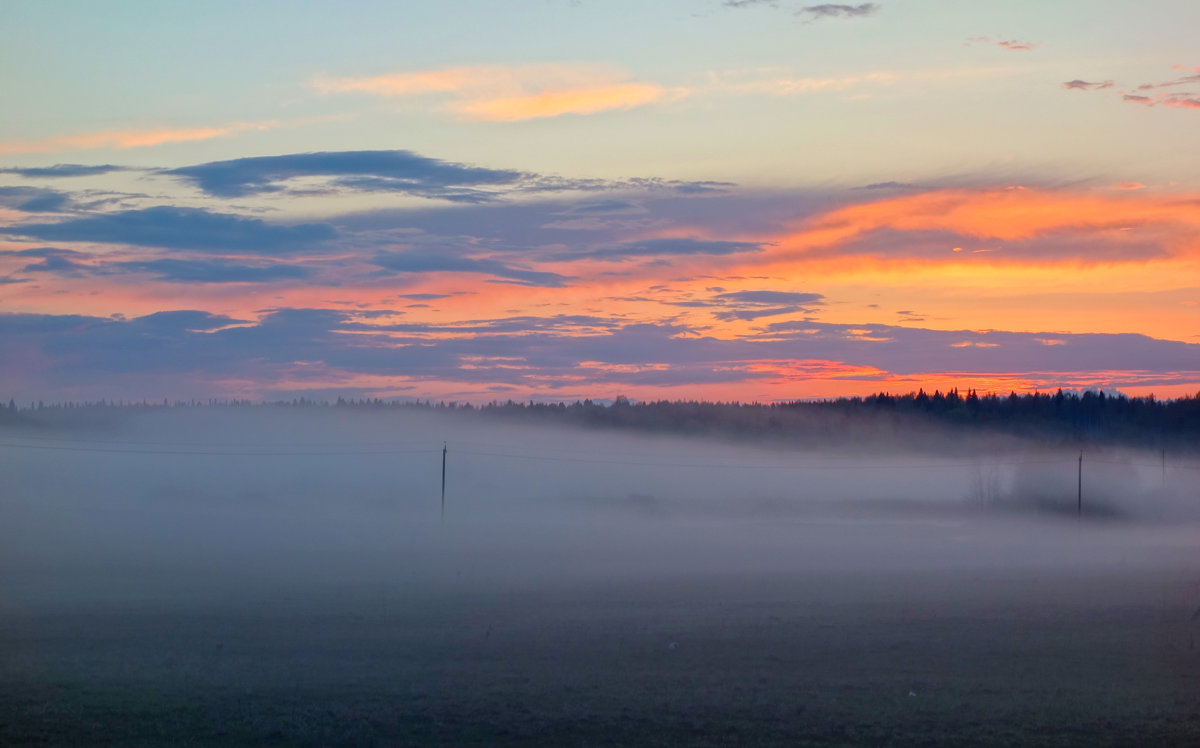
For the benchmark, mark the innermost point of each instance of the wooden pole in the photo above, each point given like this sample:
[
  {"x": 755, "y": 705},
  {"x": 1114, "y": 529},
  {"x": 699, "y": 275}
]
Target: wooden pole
[
  {"x": 443, "y": 481},
  {"x": 1079, "y": 493}
]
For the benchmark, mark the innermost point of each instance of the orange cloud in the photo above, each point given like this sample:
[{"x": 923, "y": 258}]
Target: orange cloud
[
  {"x": 555, "y": 103},
  {"x": 779, "y": 82},
  {"x": 1005, "y": 214},
  {"x": 129, "y": 138},
  {"x": 509, "y": 94}
]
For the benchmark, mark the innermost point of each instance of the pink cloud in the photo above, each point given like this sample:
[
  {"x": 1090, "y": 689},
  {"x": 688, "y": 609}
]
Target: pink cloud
[
  {"x": 1171, "y": 101},
  {"x": 1181, "y": 102},
  {"x": 1012, "y": 45},
  {"x": 1016, "y": 46}
]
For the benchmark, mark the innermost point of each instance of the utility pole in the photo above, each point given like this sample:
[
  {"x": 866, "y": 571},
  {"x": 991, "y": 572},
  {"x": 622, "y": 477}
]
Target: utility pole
[
  {"x": 443, "y": 481},
  {"x": 1079, "y": 494}
]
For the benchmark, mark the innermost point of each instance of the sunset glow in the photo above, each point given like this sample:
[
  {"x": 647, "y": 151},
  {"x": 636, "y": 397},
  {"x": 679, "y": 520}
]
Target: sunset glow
[{"x": 563, "y": 202}]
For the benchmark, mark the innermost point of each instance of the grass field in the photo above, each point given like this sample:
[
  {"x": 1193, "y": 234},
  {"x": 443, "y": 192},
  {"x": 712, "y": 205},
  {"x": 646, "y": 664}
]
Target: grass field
[
  {"x": 613, "y": 597},
  {"x": 912, "y": 657}
]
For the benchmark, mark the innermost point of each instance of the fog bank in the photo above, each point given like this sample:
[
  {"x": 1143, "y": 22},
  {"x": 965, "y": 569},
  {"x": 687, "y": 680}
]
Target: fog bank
[{"x": 154, "y": 505}]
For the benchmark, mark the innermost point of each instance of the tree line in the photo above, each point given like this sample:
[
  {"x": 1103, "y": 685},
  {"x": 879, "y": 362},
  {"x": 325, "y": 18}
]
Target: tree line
[{"x": 1060, "y": 416}]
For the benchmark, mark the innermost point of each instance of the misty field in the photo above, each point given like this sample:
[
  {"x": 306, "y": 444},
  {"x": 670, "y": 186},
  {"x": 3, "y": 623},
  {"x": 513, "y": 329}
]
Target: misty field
[{"x": 274, "y": 577}]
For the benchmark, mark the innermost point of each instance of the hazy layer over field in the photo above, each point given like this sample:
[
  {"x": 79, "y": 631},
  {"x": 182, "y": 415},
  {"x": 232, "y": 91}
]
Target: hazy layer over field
[{"x": 192, "y": 502}]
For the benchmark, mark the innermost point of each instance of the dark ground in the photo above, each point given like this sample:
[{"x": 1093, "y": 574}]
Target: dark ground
[{"x": 900, "y": 658}]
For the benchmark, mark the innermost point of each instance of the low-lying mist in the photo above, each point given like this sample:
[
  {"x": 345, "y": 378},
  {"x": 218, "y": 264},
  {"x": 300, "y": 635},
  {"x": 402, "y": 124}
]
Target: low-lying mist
[{"x": 152, "y": 505}]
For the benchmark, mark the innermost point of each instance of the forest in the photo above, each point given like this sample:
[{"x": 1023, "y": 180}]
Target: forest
[{"x": 1062, "y": 417}]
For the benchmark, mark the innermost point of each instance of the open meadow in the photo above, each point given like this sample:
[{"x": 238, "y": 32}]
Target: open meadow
[{"x": 216, "y": 576}]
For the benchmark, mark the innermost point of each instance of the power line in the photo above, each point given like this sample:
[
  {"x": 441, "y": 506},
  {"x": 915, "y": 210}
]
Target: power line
[
  {"x": 1155, "y": 465},
  {"x": 241, "y": 453},
  {"x": 565, "y": 457},
  {"x": 78, "y": 440},
  {"x": 753, "y": 466}
]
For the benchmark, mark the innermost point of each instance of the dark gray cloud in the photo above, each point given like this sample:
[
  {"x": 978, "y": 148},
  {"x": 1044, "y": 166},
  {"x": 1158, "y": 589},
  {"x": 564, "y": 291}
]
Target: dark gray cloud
[
  {"x": 756, "y": 312},
  {"x": 66, "y": 263},
  {"x": 751, "y": 305},
  {"x": 771, "y": 297},
  {"x": 405, "y": 172},
  {"x": 185, "y": 320},
  {"x": 544, "y": 229},
  {"x": 558, "y": 324},
  {"x": 909, "y": 350},
  {"x": 831, "y": 10},
  {"x": 45, "y": 252},
  {"x": 206, "y": 271},
  {"x": 1080, "y": 85},
  {"x": 169, "y": 227},
  {"x": 1081, "y": 245},
  {"x": 56, "y": 261},
  {"x": 541, "y": 183},
  {"x": 661, "y": 248},
  {"x": 182, "y": 347},
  {"x": 553, "y": 352},
  {"x": 393, "y": 171},
  {"x": 605, "y": 207},
  {"x": 34, "y": 199},
  {"x": 889, "y": 186},
  {"x": 51, "y": 202},
  {"x": 423, "y": 296},
  {"x": 454, "y": 194},
  {"x": 426, "y": 261},
  {"x": 61, "y": 170}
]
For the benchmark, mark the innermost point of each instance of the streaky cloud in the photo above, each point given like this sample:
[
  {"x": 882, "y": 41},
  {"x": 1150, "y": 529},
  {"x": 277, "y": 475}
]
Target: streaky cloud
[
  {"x": 34, "y": 199},
  {"x": 62, "y": 170},
  {"x": 553, "y": 351},
  {"x": 171, "y": 227},
  {"x": 204, "y": 271},
  {"x": 511, "y": 93},
  {"x": 60, "y": 262},
  {"x": 664, "y": 247},
  {"x": 130, "y": 138},
  {"x": 65, "y": 263},
  {"x": 429, "y": 261},
  {"x": 1082, "y": 85},
  {"x": 188, "y": 320},
  {"x": 833, "y": 10},
  {"x": 1017, "y": 46},
  {"x": 892, "y": 185},
  {"x": 398, "y": 171},
  {"x": 771, "y": 297}
]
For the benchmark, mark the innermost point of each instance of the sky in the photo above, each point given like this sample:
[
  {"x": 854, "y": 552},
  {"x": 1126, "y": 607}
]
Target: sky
[{"x": 553, "y": 200}]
